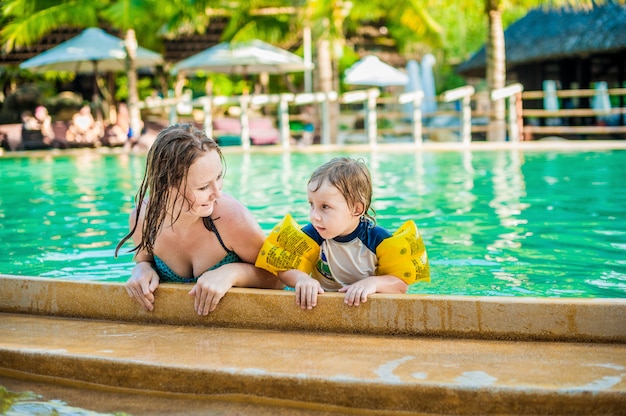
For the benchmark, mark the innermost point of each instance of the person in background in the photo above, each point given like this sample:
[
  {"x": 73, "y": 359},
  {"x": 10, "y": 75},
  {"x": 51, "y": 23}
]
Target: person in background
[
  {"x": 119, "y": 133},
  {"x": 185, "y": 229},
  {"x": 28, "y": 120},
  {"x": 308, "y": 126},
  {"x": 342, "y": 249},
  {"x": 44, "y": 122},
  {"x": 37, "y": 132},
  {"x": 84, "y": 129}
]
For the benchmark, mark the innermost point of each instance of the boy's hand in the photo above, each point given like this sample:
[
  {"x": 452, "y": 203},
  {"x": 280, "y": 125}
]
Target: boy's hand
[
  {"x": 307, "y": 290},
  {"x": 357, "y": 292}
]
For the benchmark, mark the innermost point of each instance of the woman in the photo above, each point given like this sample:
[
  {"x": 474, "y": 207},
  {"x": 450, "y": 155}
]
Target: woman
[
  {"x": 44, "y": 124},
  {"x": 188, "y": 230}
]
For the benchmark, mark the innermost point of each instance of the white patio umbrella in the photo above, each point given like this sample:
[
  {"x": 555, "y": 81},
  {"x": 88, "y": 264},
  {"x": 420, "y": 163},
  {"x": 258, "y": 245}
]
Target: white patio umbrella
[
  {"x": 244, "y": 58},
  {"x": 252, "y": 57},
  {"x": 370, "y": 70},
  {"x": 92, "y": 51}
]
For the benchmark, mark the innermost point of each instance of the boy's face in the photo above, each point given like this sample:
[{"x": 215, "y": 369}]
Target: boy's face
[{"x": 329, "y": 212}]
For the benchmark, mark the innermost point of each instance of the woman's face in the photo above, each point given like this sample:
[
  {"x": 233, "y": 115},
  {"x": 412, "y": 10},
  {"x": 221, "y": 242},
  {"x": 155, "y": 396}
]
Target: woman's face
[{"x": 204, "y": 184}]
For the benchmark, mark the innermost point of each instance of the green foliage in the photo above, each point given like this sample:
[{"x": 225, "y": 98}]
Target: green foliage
[
  {"x": 450, "y": 29},
  {"x": 8, "y": 398},
  {"x": 27, "y": 402},
  {"x": 145, "y": 86},
  {"x": 28, "y": 21}
]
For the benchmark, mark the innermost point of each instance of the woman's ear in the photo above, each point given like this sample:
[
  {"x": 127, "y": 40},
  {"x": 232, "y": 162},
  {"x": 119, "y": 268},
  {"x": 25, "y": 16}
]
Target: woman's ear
[{"x": 358, "y": 209}]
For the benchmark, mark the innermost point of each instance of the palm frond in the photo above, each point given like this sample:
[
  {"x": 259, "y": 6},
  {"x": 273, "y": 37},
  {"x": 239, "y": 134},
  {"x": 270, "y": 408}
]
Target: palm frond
[{"x": 25, "y": 30}]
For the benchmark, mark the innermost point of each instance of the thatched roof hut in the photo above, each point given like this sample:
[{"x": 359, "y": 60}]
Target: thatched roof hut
[{"x": 569, "y": 46}]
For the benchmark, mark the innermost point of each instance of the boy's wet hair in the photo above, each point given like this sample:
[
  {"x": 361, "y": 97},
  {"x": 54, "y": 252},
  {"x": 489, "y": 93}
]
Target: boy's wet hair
[{"x": 351, "y": 177}]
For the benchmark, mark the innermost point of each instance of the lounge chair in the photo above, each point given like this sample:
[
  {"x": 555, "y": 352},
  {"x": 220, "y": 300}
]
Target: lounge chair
[
  {"x": 227, "y": 131},
  {"x": 33, "y": 140},
  {"x": 262, "y": 131}
]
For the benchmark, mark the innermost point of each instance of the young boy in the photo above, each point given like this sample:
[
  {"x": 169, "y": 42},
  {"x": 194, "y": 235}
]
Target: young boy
[{"x": 342, "y": 249}]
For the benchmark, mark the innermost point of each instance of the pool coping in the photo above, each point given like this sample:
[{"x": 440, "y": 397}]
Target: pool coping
[
  {"x": 552, "y": 144},
  {"x": 480, "y": 317},
  {"x": 423, "y": 354}
]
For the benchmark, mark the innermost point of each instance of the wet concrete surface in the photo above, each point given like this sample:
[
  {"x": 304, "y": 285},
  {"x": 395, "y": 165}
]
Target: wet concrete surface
[
  {"x": 93, "y": 398},
  {"x": 91, "y": 337}
]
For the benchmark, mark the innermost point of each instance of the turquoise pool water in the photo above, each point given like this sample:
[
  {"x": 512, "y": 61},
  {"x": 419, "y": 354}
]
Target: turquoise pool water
[{"x": 502, "y": 222}]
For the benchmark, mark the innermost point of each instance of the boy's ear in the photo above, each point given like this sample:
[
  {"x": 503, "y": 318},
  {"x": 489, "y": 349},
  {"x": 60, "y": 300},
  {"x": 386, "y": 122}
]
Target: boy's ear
[{"x": 358, "y": 209}]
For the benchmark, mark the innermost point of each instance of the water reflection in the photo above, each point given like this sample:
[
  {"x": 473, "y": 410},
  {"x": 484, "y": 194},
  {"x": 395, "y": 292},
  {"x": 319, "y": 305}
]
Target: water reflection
[
  {"x": 501, "y": 222},
  {"x": 508, "y": 189}
]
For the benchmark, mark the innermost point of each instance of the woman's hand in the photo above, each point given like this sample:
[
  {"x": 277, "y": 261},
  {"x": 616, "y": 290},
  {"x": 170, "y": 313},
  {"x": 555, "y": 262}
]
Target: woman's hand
[
  {"x": 210, "y": 289},
  {"x": 142, "y": 283}
]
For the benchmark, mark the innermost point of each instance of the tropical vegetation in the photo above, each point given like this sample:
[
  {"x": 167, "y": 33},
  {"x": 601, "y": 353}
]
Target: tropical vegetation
[{"x": 451, "y": 29}]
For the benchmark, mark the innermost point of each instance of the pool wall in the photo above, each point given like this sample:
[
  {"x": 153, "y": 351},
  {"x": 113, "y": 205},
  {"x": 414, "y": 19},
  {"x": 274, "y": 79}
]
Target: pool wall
[
  {"x": 489, "y": 317},
  {"x": 392, "y": 355}
]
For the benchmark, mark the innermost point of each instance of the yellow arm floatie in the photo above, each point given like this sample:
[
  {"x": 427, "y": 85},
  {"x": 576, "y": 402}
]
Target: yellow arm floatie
[
  {"x": 286, "y": 248},
  {"x": 404, "y": 255}
]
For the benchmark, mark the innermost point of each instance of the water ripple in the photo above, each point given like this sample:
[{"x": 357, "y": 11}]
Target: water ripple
[{"x": 499, "y": 223}]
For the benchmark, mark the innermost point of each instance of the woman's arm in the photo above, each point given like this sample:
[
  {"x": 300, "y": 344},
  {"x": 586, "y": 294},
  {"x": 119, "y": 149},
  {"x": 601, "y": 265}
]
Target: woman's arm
[
  {"x": 144, "y": 279},
  {"x": 242, "y": 234}
]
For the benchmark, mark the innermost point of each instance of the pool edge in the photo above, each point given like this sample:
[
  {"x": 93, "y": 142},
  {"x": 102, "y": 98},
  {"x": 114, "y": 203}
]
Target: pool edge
[{"x": 510, "y": 318}]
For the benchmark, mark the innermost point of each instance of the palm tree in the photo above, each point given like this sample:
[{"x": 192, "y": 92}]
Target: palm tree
[
  {"x": 409, "y": 24},
  {"x": 276, "y": 21},
  {"x": 283, "y": 22},
  {"x": 27, "y": 21}
]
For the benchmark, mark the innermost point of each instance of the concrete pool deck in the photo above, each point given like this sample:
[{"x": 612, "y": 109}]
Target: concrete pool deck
[
  {"x": 552, "y": 143},
  {"x": 395, "y": 354}
]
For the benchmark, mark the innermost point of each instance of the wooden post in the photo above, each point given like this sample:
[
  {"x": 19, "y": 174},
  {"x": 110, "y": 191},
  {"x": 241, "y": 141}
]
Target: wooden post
[
  {"x": 283, "y": 121},
  {"x": 466, "y": 120},
  {"x": 415, "y": 98},
  {"x": 244, "y": 101},
  {"x": 372, "y": 128},
  {"x": 207, "y": 108},
  {"x": 513, "y": 130},
  {"x": 326, "y": 127},
  {"x": 519, "y": 105},
  {"x": 173, "y": 114},
  {"x": 464, "y": 94},
  {"x": 416, "y": 123},
  {"x": 513, "y": 93}
]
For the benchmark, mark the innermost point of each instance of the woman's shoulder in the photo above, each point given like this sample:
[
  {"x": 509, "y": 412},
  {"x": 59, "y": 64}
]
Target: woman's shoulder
[
  {"x": 238, "y": 228},
  {"x": 230, "y": 210},
  {"x": 228, "y": 204}
]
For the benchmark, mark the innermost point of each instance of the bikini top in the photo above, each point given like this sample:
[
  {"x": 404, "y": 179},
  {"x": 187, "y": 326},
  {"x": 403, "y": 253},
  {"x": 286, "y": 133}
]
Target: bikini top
[{"x": 168, "y": 275}]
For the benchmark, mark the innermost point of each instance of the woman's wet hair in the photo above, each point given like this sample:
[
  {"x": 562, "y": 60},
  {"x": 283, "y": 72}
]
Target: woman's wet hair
[
  {"x": 352, "y": 179},
  {"x": 175, "y": 149}
]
